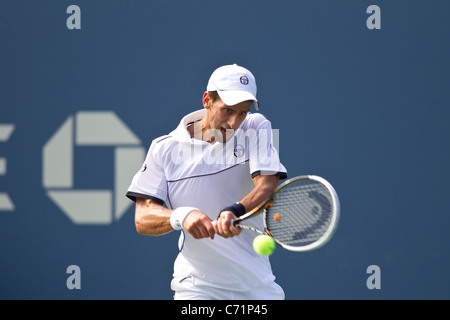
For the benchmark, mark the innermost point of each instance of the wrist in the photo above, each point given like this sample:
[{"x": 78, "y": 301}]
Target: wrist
[
  {"x": 179, "y": 215},
  {"x": 237, "y": 208}
]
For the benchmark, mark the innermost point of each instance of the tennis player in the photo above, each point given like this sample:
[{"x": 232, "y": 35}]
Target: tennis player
[{"x": 215, "y": 166}]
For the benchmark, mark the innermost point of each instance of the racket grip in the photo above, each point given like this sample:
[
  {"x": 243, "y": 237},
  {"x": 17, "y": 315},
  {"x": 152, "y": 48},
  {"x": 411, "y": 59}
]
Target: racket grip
[{"x": 237, "y": 223}]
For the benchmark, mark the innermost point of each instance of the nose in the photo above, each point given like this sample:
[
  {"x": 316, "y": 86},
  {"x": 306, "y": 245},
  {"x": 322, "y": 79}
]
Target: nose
[{"x": 232, "y": 121}]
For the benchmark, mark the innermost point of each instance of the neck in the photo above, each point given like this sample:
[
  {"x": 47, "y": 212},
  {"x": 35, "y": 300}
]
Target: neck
[{"x": 200, "y": 130}]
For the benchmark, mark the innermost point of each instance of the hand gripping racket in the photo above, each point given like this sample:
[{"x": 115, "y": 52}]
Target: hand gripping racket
[{"x": 301, "y": 215}]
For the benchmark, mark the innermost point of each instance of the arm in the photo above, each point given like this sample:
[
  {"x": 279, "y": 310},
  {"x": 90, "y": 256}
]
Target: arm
[
  {"x": 265, "y": 185},
  {"x": 153, "y": 219}
]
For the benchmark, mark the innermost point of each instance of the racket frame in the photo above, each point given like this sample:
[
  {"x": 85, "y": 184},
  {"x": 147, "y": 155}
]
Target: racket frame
[{"x": 267, "y": 203}]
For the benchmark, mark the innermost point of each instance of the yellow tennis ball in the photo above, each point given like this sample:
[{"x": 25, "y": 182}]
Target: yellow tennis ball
[{"x": 264, "y": 245}]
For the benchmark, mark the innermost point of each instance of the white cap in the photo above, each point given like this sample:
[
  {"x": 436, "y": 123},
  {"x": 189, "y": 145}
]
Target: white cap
[{"x": 234, "y": 84}]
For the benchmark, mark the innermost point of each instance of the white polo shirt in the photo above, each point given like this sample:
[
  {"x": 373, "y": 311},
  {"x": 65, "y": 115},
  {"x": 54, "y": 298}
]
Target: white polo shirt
[{"x": 185, "y": 172}]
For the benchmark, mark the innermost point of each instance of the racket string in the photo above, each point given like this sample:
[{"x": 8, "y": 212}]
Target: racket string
[{"x": 304, "y": 212}]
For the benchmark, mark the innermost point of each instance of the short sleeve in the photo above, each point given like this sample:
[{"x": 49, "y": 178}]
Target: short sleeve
[
  {"x": 150, "y": 181},
  {"x": 263, "y": 156}
]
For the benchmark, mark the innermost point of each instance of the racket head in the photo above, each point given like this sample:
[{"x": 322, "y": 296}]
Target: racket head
[{"x": 304, "y": 213}]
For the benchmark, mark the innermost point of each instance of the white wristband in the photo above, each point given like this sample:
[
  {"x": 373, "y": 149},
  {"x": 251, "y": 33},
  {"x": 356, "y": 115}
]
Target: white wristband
[{"x": 178, "y": 215}]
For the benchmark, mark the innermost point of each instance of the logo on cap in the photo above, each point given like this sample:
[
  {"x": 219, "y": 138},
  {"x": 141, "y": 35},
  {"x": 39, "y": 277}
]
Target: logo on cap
[{"x": 244, "y": 80}]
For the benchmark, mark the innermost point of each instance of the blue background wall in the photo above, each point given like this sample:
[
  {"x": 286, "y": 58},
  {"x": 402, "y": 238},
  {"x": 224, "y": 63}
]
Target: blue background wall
[{"x": 367, "y": 109}]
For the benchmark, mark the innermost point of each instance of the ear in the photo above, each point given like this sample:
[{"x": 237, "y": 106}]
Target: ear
[{"x": 207, "y": 101}]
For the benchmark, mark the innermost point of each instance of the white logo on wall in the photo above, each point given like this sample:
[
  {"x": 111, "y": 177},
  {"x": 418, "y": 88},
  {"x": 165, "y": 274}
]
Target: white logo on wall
[
  {"x": 6, "y": 131},
  {"x": 88, "y": 128}
]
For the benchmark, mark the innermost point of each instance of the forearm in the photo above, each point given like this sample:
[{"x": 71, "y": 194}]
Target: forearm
[
  {"x": 265, "y": 185},
  {"x": 151, "y": 218}
]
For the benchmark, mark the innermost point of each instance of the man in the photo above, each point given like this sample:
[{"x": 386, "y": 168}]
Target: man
[{"x": 216, "y": 165}]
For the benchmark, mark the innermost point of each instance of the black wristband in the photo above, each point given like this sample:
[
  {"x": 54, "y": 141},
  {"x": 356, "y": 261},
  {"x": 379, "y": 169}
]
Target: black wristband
[{"x": 237, "y": 208}]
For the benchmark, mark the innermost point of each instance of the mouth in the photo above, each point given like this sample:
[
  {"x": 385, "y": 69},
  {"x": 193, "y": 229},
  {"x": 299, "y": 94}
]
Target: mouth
[
  {"x": 223, "y": 131},
  {"x": 226, "y": 133}
]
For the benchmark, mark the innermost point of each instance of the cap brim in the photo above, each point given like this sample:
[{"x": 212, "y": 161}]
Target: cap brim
[{"x": 233, "y": 97}]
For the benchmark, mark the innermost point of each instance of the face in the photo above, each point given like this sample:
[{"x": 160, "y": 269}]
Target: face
[{"x": 222, "y": 120}]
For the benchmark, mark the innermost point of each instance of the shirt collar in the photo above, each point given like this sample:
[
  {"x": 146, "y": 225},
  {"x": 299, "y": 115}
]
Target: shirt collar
[{"x": 181, "y": 133}]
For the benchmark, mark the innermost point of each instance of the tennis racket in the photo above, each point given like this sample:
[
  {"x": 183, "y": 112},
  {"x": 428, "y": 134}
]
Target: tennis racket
[{"x": 301, "y": 215}]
